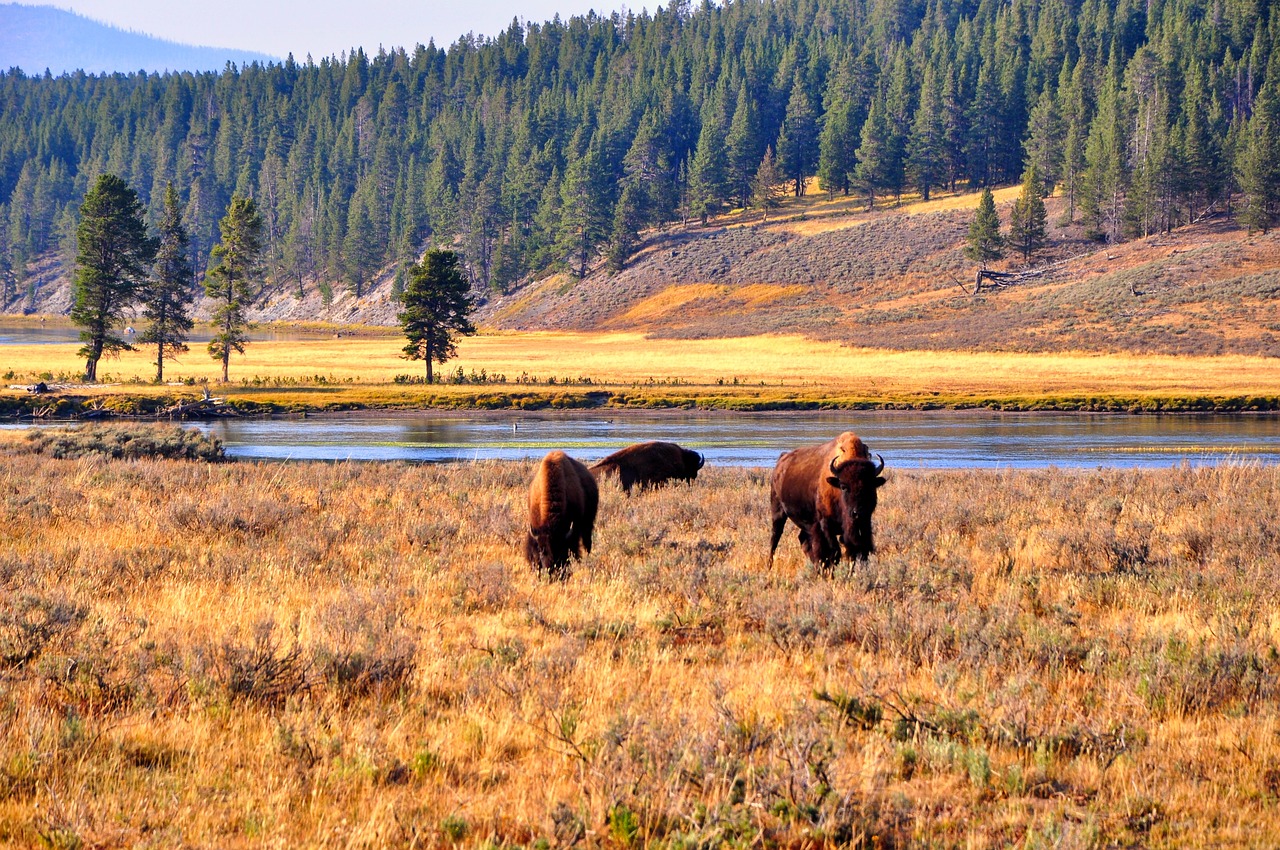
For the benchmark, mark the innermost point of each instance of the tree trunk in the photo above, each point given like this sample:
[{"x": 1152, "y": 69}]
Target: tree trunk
[
  {"x": 160, "y": 363},
  {"x": 91, "y": 371}
]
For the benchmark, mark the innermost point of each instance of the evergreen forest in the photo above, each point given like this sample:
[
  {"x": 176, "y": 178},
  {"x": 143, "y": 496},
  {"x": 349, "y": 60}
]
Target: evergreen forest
[{"x": 552, "y": 146}]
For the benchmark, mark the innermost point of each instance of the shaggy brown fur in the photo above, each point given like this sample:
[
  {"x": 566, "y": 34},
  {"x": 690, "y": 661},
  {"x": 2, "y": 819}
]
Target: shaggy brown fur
[
  {"x": 563, "y": 499},
  {"x": 650, "y": 464},
  {"x": 829, "y": 492}
]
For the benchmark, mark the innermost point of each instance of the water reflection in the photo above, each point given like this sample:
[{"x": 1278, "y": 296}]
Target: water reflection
[{"x": 934, "y": 440}]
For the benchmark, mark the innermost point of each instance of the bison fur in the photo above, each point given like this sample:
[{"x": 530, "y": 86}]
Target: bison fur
[
  {"x": 829, "y": 492},
  {"x": 650, "y": 464},
  {"x": 563, "y": 500}
]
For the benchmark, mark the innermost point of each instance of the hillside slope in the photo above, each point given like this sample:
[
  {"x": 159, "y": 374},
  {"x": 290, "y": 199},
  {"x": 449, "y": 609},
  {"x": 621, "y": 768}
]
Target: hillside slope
[
  {"x": 893, "y": 278},
  {"x": 897, "y": 279}
]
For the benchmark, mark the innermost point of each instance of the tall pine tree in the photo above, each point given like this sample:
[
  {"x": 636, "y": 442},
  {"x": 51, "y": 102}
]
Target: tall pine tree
[
  {"x": 166, "y": 300},
  {"x": 230, "y": 281},
  {"x": 111, "y": 265}
]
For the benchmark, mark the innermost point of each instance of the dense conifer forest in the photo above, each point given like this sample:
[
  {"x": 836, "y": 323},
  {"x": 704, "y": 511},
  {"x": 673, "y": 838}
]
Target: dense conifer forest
[{"x": 551, "y": 146}]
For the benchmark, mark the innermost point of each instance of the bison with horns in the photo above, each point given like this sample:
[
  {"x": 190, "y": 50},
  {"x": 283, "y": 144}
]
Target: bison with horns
[
  {"x": 650, "y": 465},
  {"x": 563, "y": 499},
  {"x": 829, "y": 491}
]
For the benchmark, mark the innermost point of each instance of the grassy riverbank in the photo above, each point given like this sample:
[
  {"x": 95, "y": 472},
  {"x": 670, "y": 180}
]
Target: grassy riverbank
[
  {"x": 568, "y": 370},
  {"x": 355, "y": 655}
]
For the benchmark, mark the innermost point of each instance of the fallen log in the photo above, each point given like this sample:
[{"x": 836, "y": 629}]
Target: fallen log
[{"x": 204, "y": 406}]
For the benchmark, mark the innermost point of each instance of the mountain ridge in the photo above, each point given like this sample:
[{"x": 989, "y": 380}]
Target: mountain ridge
[{"x": 40, "y": 38}]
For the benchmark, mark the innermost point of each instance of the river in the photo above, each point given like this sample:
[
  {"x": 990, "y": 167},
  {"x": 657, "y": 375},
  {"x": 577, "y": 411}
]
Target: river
[{"x": 918, "y": 440}]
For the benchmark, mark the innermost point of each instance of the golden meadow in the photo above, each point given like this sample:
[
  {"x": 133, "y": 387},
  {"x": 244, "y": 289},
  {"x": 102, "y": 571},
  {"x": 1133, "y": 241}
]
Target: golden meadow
[
  {"x": 514, "y": 369},
  {"x": 351, "y": 655},
  {"x": 345, "y": 655}
]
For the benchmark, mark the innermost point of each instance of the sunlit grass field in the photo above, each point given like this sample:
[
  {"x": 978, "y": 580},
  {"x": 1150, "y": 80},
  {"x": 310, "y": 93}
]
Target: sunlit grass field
[
  {"x": 357, "y": 656},
  {"x": 763, "y": 367}
]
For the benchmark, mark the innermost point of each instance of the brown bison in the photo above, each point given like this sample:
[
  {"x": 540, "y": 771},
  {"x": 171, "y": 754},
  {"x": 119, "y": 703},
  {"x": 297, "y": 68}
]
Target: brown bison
[
  {"x": 829, "y": 491},
  {"x": 562, "y": 512},
  {"x": 650, "y": 464}
]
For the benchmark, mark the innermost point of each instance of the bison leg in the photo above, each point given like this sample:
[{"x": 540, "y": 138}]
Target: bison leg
[
  {"x": 779, "y": 524},
  {"x": 626, "y": 478}
]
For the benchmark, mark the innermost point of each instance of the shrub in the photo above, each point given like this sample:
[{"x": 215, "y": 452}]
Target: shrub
[{"x": 127, "y": 442}]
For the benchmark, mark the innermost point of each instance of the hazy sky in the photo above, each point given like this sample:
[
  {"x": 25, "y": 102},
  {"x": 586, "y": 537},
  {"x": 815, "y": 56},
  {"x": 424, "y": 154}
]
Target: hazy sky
[{"x": 323, "y": 27}]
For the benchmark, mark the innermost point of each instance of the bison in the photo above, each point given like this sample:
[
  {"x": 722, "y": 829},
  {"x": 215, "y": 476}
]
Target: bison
[
  {"x": 829, "y": 492},
  {"x": 650, "y": 464},
  {"x": 562, "y": 512}
]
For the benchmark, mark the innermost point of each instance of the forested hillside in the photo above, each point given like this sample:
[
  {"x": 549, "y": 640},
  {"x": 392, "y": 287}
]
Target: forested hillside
[{"x": 551, "y": 146}]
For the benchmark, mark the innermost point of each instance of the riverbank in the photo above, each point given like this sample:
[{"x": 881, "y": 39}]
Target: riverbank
[
  {"x": 521, "y": 371},
  {"x": 149, "y": 402},
  {"x": 307, "y": 654}
]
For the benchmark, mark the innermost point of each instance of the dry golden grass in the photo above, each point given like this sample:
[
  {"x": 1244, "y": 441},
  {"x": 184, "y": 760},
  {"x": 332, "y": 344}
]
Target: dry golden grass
[
  {"x": 356, "y": 656},
  {"x": 787, "y": 366},
  {"x": 816, "y": 213}
]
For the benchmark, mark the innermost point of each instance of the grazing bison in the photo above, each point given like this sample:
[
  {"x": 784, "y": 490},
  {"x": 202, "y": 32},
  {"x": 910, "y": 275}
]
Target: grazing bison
[
  {"x": 562, "y": 511},
  {"x": 829, "y": 491},
  {"x": 650, "y": 464}
]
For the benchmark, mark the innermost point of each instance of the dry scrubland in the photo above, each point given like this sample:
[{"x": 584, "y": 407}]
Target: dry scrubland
[
  {"x": 628, "y": 368},
  {"x": 355, "y": 656}
]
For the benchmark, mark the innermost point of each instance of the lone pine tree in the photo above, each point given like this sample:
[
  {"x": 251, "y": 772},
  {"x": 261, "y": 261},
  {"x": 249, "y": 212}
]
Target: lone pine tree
[
  {"x": 985, "y": 241},
  {"x": 437, "y": 307},
  {"x": 230, "y": 280}
]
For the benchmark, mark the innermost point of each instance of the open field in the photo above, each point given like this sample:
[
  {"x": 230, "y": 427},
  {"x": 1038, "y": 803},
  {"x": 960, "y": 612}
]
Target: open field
[
  {"x": 628, "y": 369},
  {"x": 355, "y": 656}
]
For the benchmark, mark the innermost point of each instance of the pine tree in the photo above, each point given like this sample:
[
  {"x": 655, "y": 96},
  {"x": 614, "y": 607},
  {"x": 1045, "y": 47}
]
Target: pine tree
[
  {"x": 437, "y": 307},
  {"x": 798, "y": 140},
  {"x": 359, "y": 246},
  {"x": 584, "y": 211},
  {"x": 627, "y": 220},
  {"x": 1045, "y": 140},
  {"x": 765, "y": 194},
  {"x": 1260, "y": 161},
  {"x": 167, "y": 297},
  {"x": 709, "y": 185},
  {"x": 1105, "y": 177},
  {"x": 1028, "y": 220},
  {"x": 742, "y": 143},
  {"x": 874, "y": 166},
  {"x": 235, "y": 267},
  {"x": 111, "y": 265},
  {"x": 1075, "y": 131},
  {"x": 838, "y": 141},
  {"x": 985, "y": 241},
  {"x": 925, "y": 165}
]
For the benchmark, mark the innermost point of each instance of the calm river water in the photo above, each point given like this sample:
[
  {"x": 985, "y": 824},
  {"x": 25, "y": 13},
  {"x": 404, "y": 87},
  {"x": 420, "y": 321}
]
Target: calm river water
[{"x": 930, "y": 440}]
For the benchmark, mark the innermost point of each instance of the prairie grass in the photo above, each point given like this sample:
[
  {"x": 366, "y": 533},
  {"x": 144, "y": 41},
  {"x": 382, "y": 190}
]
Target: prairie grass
[
  {"x": 356, "y": 655},
  {"x": 358, "y": 372}
]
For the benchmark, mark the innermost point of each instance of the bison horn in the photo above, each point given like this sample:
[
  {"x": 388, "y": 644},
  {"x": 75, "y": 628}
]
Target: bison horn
[
  {"x": 834, "y": 471},
  {"x": 880, "y": 467},
  {"x": 701, "y": 460}
]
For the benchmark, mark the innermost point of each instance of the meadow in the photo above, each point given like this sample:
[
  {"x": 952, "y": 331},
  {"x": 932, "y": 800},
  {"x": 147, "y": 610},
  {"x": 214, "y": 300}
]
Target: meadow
[
  {"x": 344, "y": 655},
  {"x": 512, "y": 369}
]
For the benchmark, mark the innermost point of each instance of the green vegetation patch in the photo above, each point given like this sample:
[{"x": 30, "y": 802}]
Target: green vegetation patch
[{"x": 125, "y": 441}]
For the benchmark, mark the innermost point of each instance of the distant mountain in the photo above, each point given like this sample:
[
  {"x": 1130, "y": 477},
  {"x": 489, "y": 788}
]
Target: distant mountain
[{"x": 34, "y": 38}]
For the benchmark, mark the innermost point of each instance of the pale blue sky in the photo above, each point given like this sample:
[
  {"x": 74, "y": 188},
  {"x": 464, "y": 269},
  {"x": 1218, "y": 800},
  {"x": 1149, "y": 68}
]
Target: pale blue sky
[{"x": 323, "y": 27}]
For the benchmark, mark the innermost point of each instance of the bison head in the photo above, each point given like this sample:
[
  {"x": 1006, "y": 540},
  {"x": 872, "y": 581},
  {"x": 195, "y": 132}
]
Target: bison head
[
  {"x": 857, "y": 479},
  {"x": 692, "y": 463}
]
